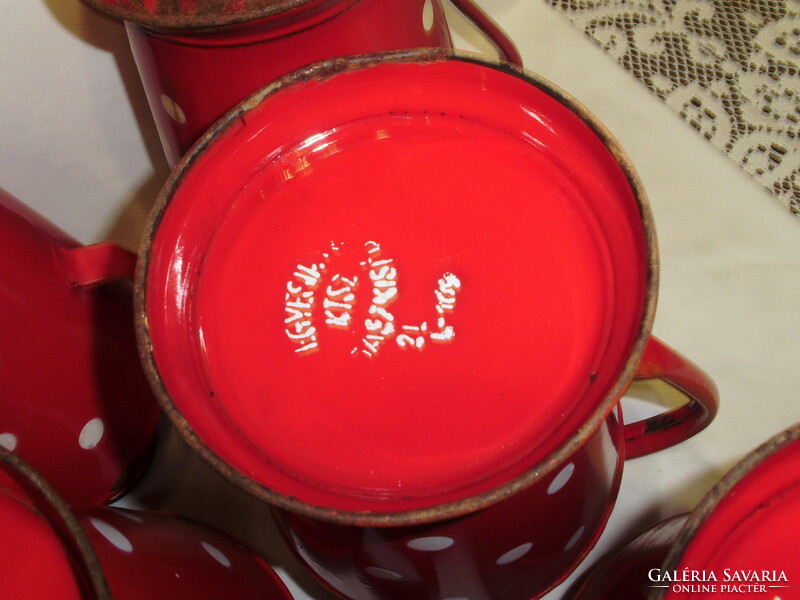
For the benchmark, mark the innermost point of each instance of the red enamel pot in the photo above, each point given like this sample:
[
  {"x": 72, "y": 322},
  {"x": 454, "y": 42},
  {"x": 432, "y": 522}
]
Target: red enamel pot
[
  {"x": 51, "y": 551},
  {"x": 402, "y": 289},
  {"x": 741, "y": 541},
  {"x": 198, "y": 59},
  {"x": 75, "y": 403}
]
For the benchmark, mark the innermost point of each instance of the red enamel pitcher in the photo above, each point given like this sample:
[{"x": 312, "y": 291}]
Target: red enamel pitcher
[
  {"x": 52, "y": 551},
  {"x": 198, "y": 59},
  {"x": 399, "y": 297},
  {"x": 75, "y": 401},
  {"x": 740, "y": 541}
]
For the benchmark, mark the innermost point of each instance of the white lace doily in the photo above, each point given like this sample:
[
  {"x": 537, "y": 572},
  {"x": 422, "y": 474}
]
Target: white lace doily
[{"x": 730, "y": 68}]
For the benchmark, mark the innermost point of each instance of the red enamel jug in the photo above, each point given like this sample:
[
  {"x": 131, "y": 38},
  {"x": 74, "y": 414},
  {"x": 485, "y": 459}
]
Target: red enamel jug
[
  {"x": 198, "y": 59},
  {"x": 399, "y": 297},
  {"x": 75, "y": 401}
]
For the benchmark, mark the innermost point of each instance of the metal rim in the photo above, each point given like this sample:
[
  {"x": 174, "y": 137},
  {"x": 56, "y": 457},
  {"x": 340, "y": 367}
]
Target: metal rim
[
  {"x": 470, "y": 504},
  {"x": 208, "y": 14},
  {"x": 719, "y": 492},
  {"x": 88, "y": 573}
]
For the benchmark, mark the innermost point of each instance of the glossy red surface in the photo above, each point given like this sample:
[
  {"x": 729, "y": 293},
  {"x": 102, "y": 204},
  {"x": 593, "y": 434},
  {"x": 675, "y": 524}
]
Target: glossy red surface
[
  {"x": 740, "y": 541},
  {"x": 50, "y": 551},
  {"x": 515, "y": 550},
  {"x": 150, "y": 555},
  {"x": 626, "y": 574},
  {"x": 449, "y": 168},
  {"x": 34, "y": 562},
  {"x": 750, "y": 539},
  {"x": 400, "y": 296},
  {"x": 75, "y": 403},
  {"x": 193, "y": 76},
  {"x": 671, "y": 427}
]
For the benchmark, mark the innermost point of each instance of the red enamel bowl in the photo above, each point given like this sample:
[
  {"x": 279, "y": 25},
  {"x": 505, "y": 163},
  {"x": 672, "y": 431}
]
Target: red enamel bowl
[
  {"x": 52, "y": 551},
  {"x": 197, "y": 59},
  {"x": 740, "y": 541}
]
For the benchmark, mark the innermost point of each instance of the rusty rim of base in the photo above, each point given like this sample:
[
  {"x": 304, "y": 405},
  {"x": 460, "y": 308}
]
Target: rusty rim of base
[
  {"x": 719, "y": 492},
  {"x": 83, "y": 559},
  {"x": 323, "y": 70},
  {"x": 196, "y": 14}
]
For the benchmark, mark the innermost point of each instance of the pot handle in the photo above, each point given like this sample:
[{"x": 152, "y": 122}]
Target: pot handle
[
  {"x": 499, "y": 38},
  {"x": 96, "y": 264},
  {"x": 669, "y": 428}
]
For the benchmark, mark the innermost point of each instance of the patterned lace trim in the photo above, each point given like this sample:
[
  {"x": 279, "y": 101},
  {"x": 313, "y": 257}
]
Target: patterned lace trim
[{"x": 729, "y": 68}]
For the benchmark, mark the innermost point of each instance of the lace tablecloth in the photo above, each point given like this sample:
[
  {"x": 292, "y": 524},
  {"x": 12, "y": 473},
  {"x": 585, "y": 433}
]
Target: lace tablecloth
[
  {"x": 730, "y": 68},
  {"x": 80, "y": 146}
]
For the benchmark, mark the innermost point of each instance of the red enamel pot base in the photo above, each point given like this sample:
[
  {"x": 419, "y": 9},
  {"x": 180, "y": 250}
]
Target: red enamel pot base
[{"x": 395, "y": 286}]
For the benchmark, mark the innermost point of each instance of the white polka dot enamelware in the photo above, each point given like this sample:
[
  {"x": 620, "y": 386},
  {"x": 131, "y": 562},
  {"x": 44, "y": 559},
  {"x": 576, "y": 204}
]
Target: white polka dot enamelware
[
  {"x": 52, "y": 551},
  {"x": 197, "y": 59},
  {"x": 75, "y": 402},
  {"x": 740, "y": 541},
  {"x": 399, "y": 296}
]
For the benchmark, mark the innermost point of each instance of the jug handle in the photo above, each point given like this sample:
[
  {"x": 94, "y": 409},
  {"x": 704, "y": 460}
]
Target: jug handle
[
  {"x": 499, "y": 38},
  {"x": 97, "y": 264},
  {"x": 669, "y": 428}
]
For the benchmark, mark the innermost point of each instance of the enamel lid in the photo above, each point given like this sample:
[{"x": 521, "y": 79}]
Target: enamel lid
[
  {"x": 391, "y": 283},
  {"x": 743, "y": 538}
]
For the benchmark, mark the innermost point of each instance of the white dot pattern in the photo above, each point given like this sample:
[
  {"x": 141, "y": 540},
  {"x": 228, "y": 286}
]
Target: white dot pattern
[
  {"x": 560, "y": 480},
  {"x": 427, "y": 15},
  {"x": 112, "y": 534},
  {"x": 575, "y": 537},
  {"x": 91, "y": 434},
  {"x": 8, "y": 441},
  {"x": 216, "y": 554},
  {"x": 515, "y": 554},
  {"x": 173, "y": 110},
  {"x": 383, "y": 573},
  {"x": 431, "y": 544}
]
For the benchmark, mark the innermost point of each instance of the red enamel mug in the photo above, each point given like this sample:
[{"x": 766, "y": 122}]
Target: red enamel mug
[
  {"x": 740, "y": 542},
  {"x": 54, "y": 552},
  {"x": 198, "y": 59},
  {"x": 399, "y": 297},
  {"x": 75, "y": 403}
]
